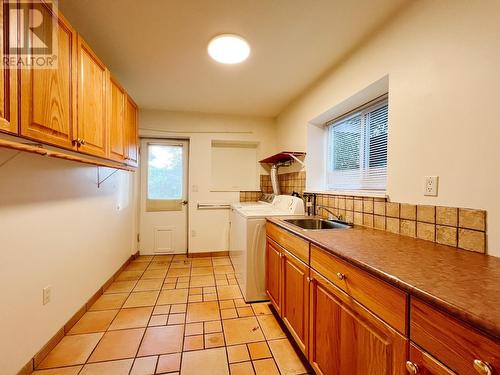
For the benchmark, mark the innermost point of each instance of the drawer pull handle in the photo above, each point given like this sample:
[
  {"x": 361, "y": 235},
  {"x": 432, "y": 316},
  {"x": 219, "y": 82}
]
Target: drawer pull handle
[
  {"x": 340, "y": 276},
  {"x": 482, "y": 367},
  {"x": 308, "y": 279},
  {"x": 411, "y": 367}
]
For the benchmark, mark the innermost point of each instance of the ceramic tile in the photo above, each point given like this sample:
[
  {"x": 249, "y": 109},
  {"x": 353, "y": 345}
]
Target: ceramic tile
[
  {"x": 265, "y": 367},
  {"x": 94, "y": 321},
  {"x": 202, "y": 311},
  {"x": 262, "y": 308},
  {"x": 71, "y": 350},
  {"x": 213, "y": 326},
  {"x": 201, "y": 281},
  {"x": 228, "y": 292},
  {"x": 176, "y": 319},
  {"x": 426, "y": 213},
  {"x": 148, "y": 284},
  {"x": 169, "y": 297},
  {"x": 238, "y": 353},
  {"x": 271, "y": 327},
  {"x": 259, "y": 350},
  {"x": 108, "y": 368},
  {"x": 131, "y": 318},
  {"x": 73, "y": 370},
  {"x": 392, "y": 209},
  {"x": 109, "y": 302},
  {"x": 447, "y": 216},
  {"x": 243, "y": 368},
  {"x": 121, "y": 287},
  {"x": 140, "y": 299},
  {"x": 213, "y": 359},
  {"x": 194, "y": 329},
  {"x": 161, "y": 309},
  {"x": 144, "y": 366},
  {"x": 118, "y": 345},
  {"x": 286, "y": 358},
  {"x": 158, "y": 320},
  {"x": 202, "y": 271},
  {"x": 426, "y": 231},
  {"x": 472, "y": 219},
  {"x": 446, "y": 235},
  {"x": 162, "y": 340},
  {"x": 193, "y": 343},
  {"x": 214, "y": 340},
  {"x": 242, "y": 330},
  {"x": 471, "y": 240},
  {"x": 169, "y": 363},
  {"x": 129, "y": 275},
  {"x": 408, "y": 211}
]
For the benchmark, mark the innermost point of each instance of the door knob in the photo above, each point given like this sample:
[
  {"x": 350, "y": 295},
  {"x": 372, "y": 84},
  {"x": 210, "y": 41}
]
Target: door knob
[
  {"x": 340, "y": 276},
  {"x": 482, "y": 367},
  {"x": 184, "y": 203},
  {"x": 411, "y": 367}
]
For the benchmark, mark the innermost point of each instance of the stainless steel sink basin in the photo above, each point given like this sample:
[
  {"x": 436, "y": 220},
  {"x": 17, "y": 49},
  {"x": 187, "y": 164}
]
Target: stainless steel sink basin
[{"x": 317, "y": 224}]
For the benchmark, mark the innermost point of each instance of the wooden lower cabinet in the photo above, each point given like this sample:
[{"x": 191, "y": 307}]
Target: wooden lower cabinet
[
  {"x": 346, "y": 338},
  {"x": 422, "y": 363},
  {"x": 295, "y": 299},
  {"x": 273, "y": 274}
]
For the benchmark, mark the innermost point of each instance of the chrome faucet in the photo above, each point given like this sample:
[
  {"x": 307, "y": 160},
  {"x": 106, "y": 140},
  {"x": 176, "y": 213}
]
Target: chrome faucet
[{"x": 338, "y": 217}]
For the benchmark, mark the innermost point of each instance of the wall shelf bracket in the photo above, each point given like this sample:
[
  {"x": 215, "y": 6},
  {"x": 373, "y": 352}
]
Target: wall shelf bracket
[
  {"x": 99, "y": 181},
  {"x": 9, "y": 159}
]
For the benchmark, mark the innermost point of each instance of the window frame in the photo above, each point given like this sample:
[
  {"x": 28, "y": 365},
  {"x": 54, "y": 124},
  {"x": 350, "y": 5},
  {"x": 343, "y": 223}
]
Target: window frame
[{"x": 364, "y": 146}]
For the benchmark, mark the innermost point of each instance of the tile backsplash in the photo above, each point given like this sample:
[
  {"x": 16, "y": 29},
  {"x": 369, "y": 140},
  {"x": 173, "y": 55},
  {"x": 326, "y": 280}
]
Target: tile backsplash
[{"x": 464, "y": 228}]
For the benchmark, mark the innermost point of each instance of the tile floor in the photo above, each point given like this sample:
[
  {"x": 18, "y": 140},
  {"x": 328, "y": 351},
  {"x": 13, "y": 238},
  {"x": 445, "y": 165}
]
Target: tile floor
[{"x": 175, "y": 315}]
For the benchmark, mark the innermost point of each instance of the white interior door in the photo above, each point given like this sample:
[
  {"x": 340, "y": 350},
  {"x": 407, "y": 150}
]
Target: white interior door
[{"x": 164, "y": 190}]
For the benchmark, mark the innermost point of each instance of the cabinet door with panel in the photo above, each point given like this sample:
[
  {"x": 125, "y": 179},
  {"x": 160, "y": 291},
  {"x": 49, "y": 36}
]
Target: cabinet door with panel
[
  {"x": 273, "y": 274},
  {"x": 8, "y": 78},
  {"x": 346, "y": 338},
  {"x": 116, "y": 122},
  {"x": 92, "y": 84},
  {"x": 422, "y": 363},
  {"x": 131, "y": 129},
  {"x": 295, "y": 299},
  {"x": 48, "y": 96}
]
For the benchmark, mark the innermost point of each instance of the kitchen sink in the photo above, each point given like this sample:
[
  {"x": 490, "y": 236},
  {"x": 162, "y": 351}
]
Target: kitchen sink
[{"x": 317, "y": 224}]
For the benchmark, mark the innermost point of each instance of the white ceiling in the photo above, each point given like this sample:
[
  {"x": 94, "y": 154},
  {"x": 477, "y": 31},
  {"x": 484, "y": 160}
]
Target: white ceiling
[{"x": 158, "y": 48}]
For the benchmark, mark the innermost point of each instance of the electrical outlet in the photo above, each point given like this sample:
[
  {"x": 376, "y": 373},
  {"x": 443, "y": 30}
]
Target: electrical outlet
[
  {"x": 193, "y": 233},
  {"x": 431, "y": 186},
  {"x": 46, "y": 294}
]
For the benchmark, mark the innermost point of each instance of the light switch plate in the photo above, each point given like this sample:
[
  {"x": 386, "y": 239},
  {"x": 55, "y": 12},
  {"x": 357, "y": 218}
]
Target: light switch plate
[
  {"x": 431, "y": 186},
  {"x": 46, "y": 294}
]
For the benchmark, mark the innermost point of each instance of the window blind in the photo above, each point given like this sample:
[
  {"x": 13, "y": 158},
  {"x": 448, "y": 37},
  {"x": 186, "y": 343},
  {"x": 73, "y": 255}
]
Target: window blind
[{"x": 357, "y": 149}]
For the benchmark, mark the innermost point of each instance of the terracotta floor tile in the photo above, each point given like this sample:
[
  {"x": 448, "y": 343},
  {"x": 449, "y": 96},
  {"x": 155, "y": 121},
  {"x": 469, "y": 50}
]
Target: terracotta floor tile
[
  {"x": 140, "y": 299},
  {"x": 168, "y": 286},
  {"x": 210, "y": 297},
  {"x": 162, "y": 340},
  {"x": 94, "y": 321},
  {"x": 242, "y": 330},
  {"x": 109, "y": 302},
  {"x": 240, "y": 302},
  {"x": 213, "y": 327},
  {"x": 238, "y": 353},
  {"x": 120, "y": 287},
  {"x": 182, "y": 285},
  {"x": 202, "y": 271},
  {"x": 195, "y": 291},
  {"x": 265, "y": 367},
  {"x": 262, "y": 308},
  {"x": 169, "y": 363},
  {"x": 259, "y": 350},
  {"x": 131, "y": 318},
  {"x": 271, "y": 327},
  {"x": 214, "y": 340},
  {"x": 228, "y": 314},
  {"x": 129, "y": 275},
  {"x": 202, "y": 281},
  {"x": 176, "y": 309},
  {"x": 227, "y": 304},
  {"x": 201, "y": 262},
  {"x": 108, "y": 368},
  {"x": 244, "y": 311},
  {"x": 193, "y": 343},
  {"x": 148, "y": 284},
  {"x": 73, "y": 370},
  {"x": 213, "y": 359},
  {"x": 195, "y": 298},
  {"x": 71, "y": 350},
  {"x": 158, "y": 320},
  {"x": 183, "y": 279},
  {"x": 160, "y": 265},
  {"x": 243, "y": 368},
  {"x": 176, "y": 319},
  {"x": 169, "y": 297},
  {"x": 194, "y": 329},
  {"x": 144, "y": 366},
  {"x": 221, "y": 261},
  {"x": 118, "y": 345},
  {"x": 286, "y": 358},
  {"x": 221, "y": 283},
  {"x": 176, "y": 272},
  {"x": 209, "y": 290},
  {"x": 154, "y": 274},
  {"x": 228, "y": 292},
  {"x": 223, "y": 269},
  {"x": 137, "y": 266},
  {"x": 161, "y": 309},
  {"x": 202, "y": 312}
]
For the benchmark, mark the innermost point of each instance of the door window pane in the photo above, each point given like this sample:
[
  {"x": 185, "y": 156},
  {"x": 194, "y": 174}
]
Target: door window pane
[{"x": 165, "y": 172}]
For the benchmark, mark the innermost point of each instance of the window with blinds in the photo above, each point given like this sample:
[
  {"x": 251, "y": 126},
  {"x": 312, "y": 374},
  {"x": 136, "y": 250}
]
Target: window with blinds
[{"x": 357, "y": 149}]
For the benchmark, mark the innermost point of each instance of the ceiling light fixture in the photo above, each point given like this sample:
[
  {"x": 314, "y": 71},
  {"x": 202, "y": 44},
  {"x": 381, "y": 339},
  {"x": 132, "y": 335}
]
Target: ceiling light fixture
[{"x": 228, "y": 49}]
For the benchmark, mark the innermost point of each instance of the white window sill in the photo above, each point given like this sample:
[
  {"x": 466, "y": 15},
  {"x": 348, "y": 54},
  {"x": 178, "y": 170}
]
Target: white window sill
[{"x": 356, "y": 193}]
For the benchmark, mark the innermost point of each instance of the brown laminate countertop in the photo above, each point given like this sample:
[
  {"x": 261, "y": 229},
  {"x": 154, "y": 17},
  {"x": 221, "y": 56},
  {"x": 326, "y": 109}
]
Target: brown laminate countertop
[{"x": 459, "y": 282}]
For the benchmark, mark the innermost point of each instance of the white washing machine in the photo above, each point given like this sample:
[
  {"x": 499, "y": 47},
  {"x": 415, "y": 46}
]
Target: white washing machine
[{"x": 247, "y": 242}]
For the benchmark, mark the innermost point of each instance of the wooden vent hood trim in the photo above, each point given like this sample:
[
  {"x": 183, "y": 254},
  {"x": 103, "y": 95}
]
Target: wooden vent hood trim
[
  {"x": 39, "y": 150},
  {"x": 281, "y": 157}
]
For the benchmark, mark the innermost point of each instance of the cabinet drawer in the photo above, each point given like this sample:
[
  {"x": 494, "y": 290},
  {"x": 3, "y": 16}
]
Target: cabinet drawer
[
  {"x": 293, "y": 244},
  {"x": 451, "y": 341},
  {"x": 388, "y": 302},
  {"x": 426, "y": 364}
]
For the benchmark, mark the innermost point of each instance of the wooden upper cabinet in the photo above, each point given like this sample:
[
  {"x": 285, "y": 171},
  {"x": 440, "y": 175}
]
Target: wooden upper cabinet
[
  {"x": 8, "y": 79},
  {"x": 346, "y": 338},
  {"x": 273, "y": 274},
  {"x": 116, "y": 121},
  {"x": 92, "y": 122},
  {"x": 131, "y": 132},
  {"x": 295, "y": 299},
  {"x": 48, "y": 96}
]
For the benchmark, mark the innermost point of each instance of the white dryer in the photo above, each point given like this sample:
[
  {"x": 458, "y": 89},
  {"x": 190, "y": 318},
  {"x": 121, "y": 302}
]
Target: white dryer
[{"x": 247, "y": 243}]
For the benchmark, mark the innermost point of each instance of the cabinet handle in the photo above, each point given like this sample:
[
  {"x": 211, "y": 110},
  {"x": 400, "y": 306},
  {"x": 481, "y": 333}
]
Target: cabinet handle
[
  {"x": 482, "y": 367},
  {"x": 411, "y": 367},
  {"x": 82, "y": 141},
  {"x": 308, "y": 279},
  {"x": 340, "y": 276}
]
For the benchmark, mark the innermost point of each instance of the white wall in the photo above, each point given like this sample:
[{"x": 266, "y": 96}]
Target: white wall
[
  {"x": 442, "y": 59},
  {"x": 56, "y": 228},
  {"x": 211, "y": 226}
]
